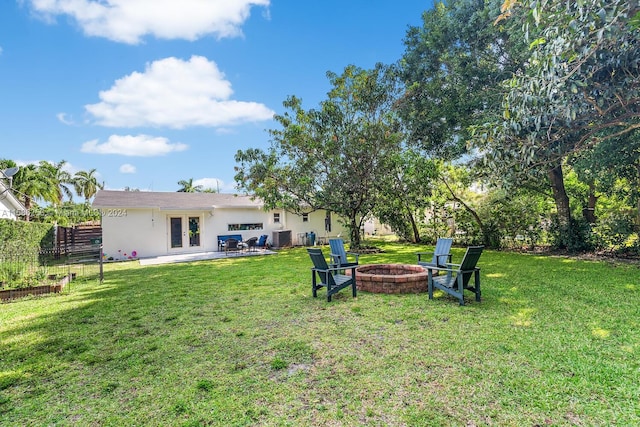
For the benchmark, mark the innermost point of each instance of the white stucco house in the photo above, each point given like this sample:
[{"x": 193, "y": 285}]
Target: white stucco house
[
  {"x": 10, "y": 206},
  {"x": 139, "y": 224}
]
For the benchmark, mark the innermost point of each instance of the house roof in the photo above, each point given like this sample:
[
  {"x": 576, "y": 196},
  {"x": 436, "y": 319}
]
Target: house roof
[
  {"x": 172, "y": 200},
  {"x": 8, "y": 197}
]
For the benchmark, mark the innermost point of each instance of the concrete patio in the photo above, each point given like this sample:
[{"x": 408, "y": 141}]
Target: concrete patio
[{"x": 202, "y": 256}]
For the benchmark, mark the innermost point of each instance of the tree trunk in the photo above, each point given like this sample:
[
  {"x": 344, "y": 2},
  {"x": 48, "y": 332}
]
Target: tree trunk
[
  {"x": 562, "y": 203},
  {"x": 354, "y": 229},
  {"x": 27, "y": 207},
  {"x": 414, "y": 225}
]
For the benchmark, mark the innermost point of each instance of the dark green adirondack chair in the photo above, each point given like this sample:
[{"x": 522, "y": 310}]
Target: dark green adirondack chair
[
  {"x": 457, "y": 276},
  {"x": 338, "y": 254},
  {"x": 441, "y": 255},
  {"x": 329, "y": 276}
]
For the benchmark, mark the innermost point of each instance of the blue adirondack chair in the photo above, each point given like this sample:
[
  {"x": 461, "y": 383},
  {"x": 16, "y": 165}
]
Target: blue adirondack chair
[
  {"x": 330, "y": 277},
  {"x": 339, "y": 255},
  {"x": 441, "y": 255},
  {"x": 457, "y": 276}
]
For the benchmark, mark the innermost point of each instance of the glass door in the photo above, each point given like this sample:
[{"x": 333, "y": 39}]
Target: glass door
[
  {"x": 175, "y": 224},
  {"x": 194, "y": 231},
  {"x": 184, "y": 232}
]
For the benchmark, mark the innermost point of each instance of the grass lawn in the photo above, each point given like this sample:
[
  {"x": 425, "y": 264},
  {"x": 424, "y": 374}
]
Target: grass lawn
[{"x": 234, "y": 342}]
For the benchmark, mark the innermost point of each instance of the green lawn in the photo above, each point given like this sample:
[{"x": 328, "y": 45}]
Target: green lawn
[{"x": 237, "y": 342}]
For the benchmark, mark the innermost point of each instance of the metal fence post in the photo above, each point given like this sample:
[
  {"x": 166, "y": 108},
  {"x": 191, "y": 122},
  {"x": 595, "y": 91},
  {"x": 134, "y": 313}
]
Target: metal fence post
[{"x": 101, "y": 264}]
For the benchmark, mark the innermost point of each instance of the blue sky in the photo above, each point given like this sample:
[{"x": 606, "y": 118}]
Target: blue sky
[{"x": 150, "y": 92}]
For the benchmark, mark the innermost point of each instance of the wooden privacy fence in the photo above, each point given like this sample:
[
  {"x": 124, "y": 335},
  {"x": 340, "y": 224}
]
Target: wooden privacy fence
[{"x": 73, "y": 239}]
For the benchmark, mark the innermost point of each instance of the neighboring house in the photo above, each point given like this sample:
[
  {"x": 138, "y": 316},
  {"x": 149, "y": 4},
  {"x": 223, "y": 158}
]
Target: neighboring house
[
  {"x": 10, "y": 207},
  {"x": 139, "y": 224}
]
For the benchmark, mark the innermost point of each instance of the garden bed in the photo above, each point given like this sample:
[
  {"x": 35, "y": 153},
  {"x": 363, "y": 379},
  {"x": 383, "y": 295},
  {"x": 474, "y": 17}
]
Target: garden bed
[{"x": 10, "y": 294}]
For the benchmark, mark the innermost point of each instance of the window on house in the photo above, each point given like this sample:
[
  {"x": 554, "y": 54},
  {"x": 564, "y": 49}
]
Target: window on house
[
  {"x": 238, "y": 227},
  {"x": 305, "y": 217},
  {"x": 276, "y": 217}
]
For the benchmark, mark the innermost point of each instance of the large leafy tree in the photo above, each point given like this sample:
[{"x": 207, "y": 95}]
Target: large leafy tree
[
  {"x": 452, "y": 69},
  {"x": 332, "y": 157},
  {"x": 580, "y": 88}
]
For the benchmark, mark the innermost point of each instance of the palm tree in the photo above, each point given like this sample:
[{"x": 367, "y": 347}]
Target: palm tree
[
  {"x": 86, "y": 184},
  {"x": 31, "y": 183},
  {"x": 59, "y": 179},
  {"x": 188, "y": 187}
]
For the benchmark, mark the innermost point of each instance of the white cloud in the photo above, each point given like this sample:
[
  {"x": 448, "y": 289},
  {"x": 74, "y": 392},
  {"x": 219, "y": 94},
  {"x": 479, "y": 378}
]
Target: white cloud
[
  {"x": 127, "y": 168},
  {"x": 175, "y": 93},
  {"x": 129, "y": 145},
  {"x": 63, "y": 118},
  {"x": 211, "y": 183},
  {"x": 127, "y": 21}
]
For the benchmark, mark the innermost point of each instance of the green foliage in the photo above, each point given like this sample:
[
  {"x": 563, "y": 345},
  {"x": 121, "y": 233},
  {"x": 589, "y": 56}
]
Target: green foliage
[
  {"x": 86, "y": 184},
  {"x": 50, "y": 182},
  {"x": 405, "y": 193},
  {"x": 579, "y": 88},
  {"x": 617, "y": 231},
  {"x": 12, "y": 272},
  {"x": 329, "y": 158},
  {"x": 452, "y": 68},
  {"x": 20, "y": 236},
  {"x": 68, "y": 214},
  {"x": 20, "y": 244},
  {"x": 574, "y": 237},
  {"x": 186, "y": 186}
]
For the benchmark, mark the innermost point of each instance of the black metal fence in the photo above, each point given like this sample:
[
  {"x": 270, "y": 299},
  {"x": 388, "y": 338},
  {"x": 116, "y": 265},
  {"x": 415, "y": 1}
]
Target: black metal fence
[{"x": 27, "y": 269}]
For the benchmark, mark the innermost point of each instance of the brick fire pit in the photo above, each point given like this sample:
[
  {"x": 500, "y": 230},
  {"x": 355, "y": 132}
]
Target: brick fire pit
[{"x": 391, "y": 278}]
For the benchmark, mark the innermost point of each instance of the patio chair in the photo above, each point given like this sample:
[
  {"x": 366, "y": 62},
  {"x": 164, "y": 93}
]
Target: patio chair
[
  {"x": 441, "y": 255},
  {"x": 339, "y": 255},
  {"x": 262, "y": 241},
  {"x": 231, "y": 245},
  {"x": 251, "y": 244},
  {"x": 457, "y": 276},
  {"x": 329, "y": 276}
]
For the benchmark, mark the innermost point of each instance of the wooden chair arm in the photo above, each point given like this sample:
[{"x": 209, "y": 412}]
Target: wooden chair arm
[
  {"x": 356, "y": 255},
  {"x": 322, "y": 270}
]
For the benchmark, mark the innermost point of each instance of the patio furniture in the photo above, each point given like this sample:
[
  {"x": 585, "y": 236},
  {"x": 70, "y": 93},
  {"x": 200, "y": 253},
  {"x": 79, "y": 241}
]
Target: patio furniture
[
  {"x": 262, "y": 241},
  {"x": 441, "y": 255},
  {"x": 457, "y": 276},
  {"x": 224, "y": 237},
  {"x": 231, "y": 245},
  {"x": 329, "y": 276},
  {"x": 339, "y": 255},
  {"x": 251, "y": 244}
]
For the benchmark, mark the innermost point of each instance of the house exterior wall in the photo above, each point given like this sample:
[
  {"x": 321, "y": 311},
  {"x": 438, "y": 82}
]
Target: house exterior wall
[
  {"x": 316, "y": 224},
  {"x": 145, "y": 232},
  {"x": 134, "y": 233}
]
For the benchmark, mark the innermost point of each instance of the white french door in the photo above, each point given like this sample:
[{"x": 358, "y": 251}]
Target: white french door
[{"x": 184, "y": 232}]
